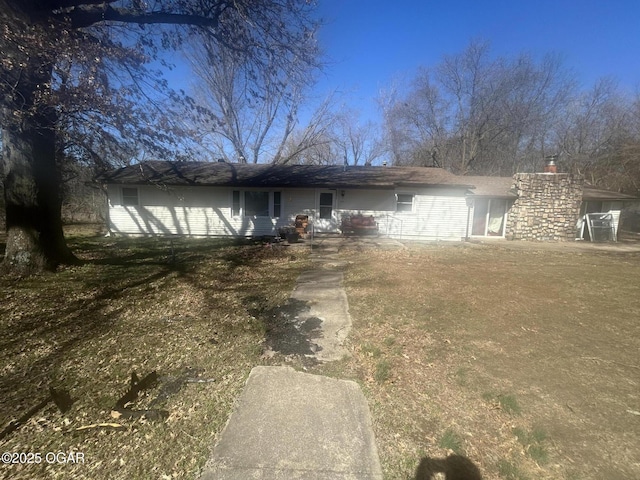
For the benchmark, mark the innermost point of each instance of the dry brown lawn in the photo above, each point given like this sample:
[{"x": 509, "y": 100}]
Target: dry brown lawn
[
  {"x": 191, "y": 312},
  {"x": 525, "y": 360},
  {"x": 522, "y": 358}
]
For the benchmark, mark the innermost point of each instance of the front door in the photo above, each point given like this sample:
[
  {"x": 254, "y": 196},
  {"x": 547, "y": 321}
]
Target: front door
[{"x": 325, "y": 217}]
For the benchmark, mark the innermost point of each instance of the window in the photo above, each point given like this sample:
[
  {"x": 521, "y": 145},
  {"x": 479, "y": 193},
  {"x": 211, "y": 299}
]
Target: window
[
  {"x": 235, "y": 204},
  {"x": 256, "y": 204},
  {"x": 250, "y": 203},
  {"x": 404, "y": 202},
  {"x": 488, "y": 217},
  {"x": 591, "y": 207},
  {"x": 495, "y": 222},
  {"x": 129, "y": 197},
  {"x": 480, "y": 210},
  {"x": 326, "y": 205},
  {"x": 277, "y": 204}
]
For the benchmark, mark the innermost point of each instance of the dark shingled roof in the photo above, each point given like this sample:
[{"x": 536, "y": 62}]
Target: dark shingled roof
[
  {"x": 494, "y": 187},
  {"x": 321, "y": 176},
  {"x": 501, "y": 187},
  {"x": 591, "y": 193},
  {"x": 261, "y": 175}
]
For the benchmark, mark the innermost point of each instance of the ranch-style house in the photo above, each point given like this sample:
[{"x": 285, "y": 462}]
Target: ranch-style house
[{"x": 421, "y": 203}]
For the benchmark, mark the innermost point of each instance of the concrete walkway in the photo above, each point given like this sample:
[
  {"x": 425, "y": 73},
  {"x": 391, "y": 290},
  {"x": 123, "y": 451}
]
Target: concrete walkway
[
  {"x": 293, "y": 425},
  {"x": 322, "y": 291}
]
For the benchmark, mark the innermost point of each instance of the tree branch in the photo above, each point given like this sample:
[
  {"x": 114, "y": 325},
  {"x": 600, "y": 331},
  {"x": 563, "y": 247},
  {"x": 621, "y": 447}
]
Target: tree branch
[
  {"x": 80, "y": 3},
  {"x": 85, "y": 16}
]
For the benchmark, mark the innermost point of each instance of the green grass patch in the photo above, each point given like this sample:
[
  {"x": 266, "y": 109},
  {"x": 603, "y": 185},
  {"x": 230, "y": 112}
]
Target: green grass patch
[
  {"x": 510, "y": 471},
  {"x": 451, "y": 441},
  {"x": 389, "y": 341},
  {"x": 539, "y": 454},
  {"x": 533, "y": 442},
  {"x": 383, "y": 371},
  {"x": 537, "y": 435},
  {"x": 488, "y": 396},
  {"x": 462, "y": 376},
  {"x": 507, "y": 402}
]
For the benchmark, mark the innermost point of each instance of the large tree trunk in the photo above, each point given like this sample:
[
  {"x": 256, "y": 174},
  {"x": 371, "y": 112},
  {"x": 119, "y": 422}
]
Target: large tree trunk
[{"x": 35, "y": 240}]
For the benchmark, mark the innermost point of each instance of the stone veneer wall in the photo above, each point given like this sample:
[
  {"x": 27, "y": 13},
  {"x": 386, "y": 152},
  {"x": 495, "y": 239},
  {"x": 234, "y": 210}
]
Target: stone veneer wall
[{"x": 547, "y": 207}]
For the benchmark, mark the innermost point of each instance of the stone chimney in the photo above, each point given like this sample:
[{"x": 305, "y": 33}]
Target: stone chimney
[
  {"x": 547, "y": 206},
  {"x": 550, "y": 164}
]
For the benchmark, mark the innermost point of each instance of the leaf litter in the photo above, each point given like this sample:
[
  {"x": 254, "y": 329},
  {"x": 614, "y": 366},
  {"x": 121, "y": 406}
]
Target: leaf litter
[
  {"x": 136, "y": 305},
  {"x": 465, "y": 333}
]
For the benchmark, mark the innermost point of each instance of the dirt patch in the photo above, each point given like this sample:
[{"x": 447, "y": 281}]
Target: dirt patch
[{"x": 522, "y": 358}]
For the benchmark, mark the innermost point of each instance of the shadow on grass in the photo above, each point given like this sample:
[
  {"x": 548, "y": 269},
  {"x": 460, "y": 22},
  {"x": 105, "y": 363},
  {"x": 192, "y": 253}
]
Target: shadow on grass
[
  {"x": 172, "y": 251},
  {"x": 50, "y": 331},
  {"x": 150, "y": 251},
  {"x": 454, "y": 467},
  {"x": 47, "y": 319},
  {"x": 57, "y": 312}
]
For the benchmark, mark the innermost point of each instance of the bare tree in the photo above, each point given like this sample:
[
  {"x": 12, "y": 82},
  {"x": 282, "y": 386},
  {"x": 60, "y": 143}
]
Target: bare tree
[
  {"x": 313, "y": 143},
  {"x": 591, "y": 126},
  {"x": 333, "y": 136},
  {"x": 253, "y": 112},
  {"x": 71, "y": 55},
  {"x": 416, "y": 125},
  {"x": 476, "y": 113},
  {"x": 356, "y": 143},
  {"x": 599, "y": 137}
]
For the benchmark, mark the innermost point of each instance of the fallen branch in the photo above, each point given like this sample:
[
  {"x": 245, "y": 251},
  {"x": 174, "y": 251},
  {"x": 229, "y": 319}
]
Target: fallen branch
[
  {"x": 111, "y": 426},
  {"x": 172, "y": 385},
  {"x": 152, "y": 414},
  {"x": 200, "y": 380}
]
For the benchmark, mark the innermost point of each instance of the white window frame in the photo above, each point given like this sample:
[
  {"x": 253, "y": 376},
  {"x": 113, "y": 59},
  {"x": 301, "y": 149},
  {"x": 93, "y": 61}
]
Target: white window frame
[
  {"x": 413, "y": 202},
  {"x": 273, "y": 204},
  {"x": 236, "y": 213},
  {"x": 127, "y": 203},
  {"x": 242, "y": 209},
  {"x": 486, "y": 218}
]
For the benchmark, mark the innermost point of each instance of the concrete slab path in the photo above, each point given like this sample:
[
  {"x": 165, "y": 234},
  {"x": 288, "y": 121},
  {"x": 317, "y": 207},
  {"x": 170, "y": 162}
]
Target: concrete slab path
[
  {"x": 323, "y": 291},
  {"x": 293, "y": 425}
]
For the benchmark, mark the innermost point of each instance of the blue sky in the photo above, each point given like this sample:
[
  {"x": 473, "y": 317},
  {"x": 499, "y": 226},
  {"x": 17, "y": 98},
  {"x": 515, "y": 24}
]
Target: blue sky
[{"x": 371, "y": 42}]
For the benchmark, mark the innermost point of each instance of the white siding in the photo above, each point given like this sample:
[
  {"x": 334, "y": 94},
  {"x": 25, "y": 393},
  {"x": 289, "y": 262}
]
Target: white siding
[
  {"x": 298, "y": 202},
  {"x": 438, "y": 214},
  {"x": 435, "y": 217},
  {"x": 197, "y": 211},
  {"x": 173, "y": 211},
  {"x": 367, "y": 200},
  {"x": 206, "y": 211}
]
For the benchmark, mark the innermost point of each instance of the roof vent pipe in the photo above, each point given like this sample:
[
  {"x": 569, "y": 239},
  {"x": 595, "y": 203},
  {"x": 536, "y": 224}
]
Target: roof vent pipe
[{"x": 550, "y": 164}]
